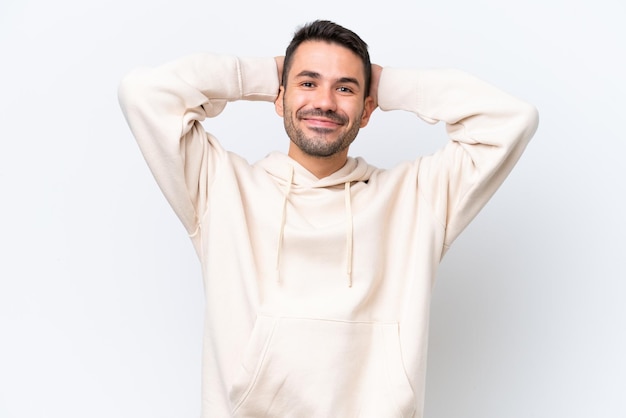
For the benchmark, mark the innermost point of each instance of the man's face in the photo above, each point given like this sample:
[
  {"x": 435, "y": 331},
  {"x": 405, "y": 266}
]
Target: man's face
[{"x": 323, "y": 103}]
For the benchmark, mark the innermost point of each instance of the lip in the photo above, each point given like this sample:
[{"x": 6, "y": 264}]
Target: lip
[{"x": 321, "y": 122}]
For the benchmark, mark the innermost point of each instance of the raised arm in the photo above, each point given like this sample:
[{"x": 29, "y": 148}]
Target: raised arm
[
  {"x": 164, "y": 108},
  {"x": 488, "y": 129}
]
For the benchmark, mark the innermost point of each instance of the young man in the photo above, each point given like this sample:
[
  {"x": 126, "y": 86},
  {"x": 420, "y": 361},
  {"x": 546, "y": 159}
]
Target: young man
[{"x": 318, "y": 267}]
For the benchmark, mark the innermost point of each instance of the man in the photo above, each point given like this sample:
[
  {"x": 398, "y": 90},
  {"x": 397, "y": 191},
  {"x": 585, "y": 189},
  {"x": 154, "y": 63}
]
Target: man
[{"x": 318, "y": 268}]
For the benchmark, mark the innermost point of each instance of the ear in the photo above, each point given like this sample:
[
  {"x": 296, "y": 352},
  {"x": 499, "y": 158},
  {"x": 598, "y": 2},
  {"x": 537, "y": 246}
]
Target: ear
[
  {"x": 368, "y": 108},
  {"x": 278, "y": 102}
]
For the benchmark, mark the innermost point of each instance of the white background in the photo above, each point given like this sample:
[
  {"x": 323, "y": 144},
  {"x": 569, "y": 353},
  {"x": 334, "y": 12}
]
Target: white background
[{"x": 100, "y": 291}]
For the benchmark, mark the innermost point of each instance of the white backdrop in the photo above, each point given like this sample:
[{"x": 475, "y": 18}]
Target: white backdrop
[{"x": 100, "y": 291}]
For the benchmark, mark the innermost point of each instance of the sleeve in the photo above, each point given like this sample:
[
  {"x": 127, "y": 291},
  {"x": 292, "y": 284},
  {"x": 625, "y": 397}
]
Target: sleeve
[
  {"x": 488, "y": 130},
  {"x": 164, "y": 108}
]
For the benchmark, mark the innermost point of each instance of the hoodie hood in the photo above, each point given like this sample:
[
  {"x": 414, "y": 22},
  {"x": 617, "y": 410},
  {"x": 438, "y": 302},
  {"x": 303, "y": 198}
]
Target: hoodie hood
[
  {"x": 293, "y": 175},
  {"x": 281, "y": 166}
]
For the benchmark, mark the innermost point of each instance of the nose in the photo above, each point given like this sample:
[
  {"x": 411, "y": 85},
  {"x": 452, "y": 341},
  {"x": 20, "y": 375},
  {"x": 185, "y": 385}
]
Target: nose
[{"x": 324, "y": 99}]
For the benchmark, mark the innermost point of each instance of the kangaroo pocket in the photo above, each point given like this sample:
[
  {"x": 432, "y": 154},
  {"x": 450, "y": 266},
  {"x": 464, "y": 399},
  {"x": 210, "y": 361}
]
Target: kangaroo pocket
[{"x": 298, "y": 367}]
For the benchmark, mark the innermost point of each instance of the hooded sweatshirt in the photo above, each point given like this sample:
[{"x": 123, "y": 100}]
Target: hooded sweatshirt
[{"x": 318, "y": 290}]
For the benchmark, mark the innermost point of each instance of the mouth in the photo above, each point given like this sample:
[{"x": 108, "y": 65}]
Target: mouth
[
  {"x": 318, "y": 120},
  {"x": 321, "y": 123}
]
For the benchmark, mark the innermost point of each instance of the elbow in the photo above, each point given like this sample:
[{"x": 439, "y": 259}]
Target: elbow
[
  {"x": 129, "y": 89},
  {"x": 533, "y": 120},
  {"x": 125, "y": 90},
  {"x": 532, "y": 117},
  {"x": 528, "y": 121}
]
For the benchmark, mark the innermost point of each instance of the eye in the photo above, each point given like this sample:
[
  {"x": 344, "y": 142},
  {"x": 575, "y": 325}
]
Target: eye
[
  {"x": 344, "y": 89},
  {"x": 307, "y": 84}
]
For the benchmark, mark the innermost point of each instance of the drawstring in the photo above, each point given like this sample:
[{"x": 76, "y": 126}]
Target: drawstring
[
  {"x": 282, "y": 224},
  {"x": 348, "y": 233}
]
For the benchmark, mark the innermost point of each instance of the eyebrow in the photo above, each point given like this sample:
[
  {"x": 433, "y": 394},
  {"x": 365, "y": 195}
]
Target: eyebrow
[{"x": 317, "y": 76}]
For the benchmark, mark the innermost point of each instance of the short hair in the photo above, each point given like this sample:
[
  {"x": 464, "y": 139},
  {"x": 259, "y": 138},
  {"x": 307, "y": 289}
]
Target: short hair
[{"x": 324, "y": 30}]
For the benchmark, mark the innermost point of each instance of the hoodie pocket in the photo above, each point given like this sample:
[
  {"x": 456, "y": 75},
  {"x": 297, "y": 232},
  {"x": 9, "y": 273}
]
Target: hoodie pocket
[{"x": 299, "y": 367}]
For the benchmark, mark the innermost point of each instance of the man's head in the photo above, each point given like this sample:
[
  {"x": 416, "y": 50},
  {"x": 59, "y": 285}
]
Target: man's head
[
  {"x": 324, "y": 96},
  {"x": 324, "y": 30}
]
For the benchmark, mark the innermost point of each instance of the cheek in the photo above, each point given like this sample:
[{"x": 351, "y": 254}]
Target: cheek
[
  {"x": 357, "y": 113},
  {"x": 295, "y": 103}
]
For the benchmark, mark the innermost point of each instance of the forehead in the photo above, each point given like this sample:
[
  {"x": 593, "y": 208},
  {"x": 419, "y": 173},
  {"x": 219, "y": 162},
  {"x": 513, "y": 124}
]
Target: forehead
[{"x": 328, "y": 59}]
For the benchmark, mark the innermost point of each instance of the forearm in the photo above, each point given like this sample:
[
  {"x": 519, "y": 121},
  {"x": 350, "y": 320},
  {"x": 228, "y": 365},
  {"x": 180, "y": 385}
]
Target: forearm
[
  {"x": 488, "y": 129},
  {"x": 191, "y": 89},
  {"x": 165, "y": 105},
  {"x": 475, "y": 111}
]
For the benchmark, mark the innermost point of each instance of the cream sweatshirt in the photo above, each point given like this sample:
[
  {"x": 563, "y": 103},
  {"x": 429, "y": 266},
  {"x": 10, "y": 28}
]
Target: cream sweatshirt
[{"x": 318, "y": 290}]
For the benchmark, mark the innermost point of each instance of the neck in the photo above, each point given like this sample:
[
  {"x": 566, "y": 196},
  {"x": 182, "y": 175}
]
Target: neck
[{"x": 320, "y": 167}]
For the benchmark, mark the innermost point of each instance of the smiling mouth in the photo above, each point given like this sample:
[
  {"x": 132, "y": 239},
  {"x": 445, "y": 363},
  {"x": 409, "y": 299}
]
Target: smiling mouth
[
  {"x": 318, "y": 118},
  {"x": 316, "y": 123}
]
